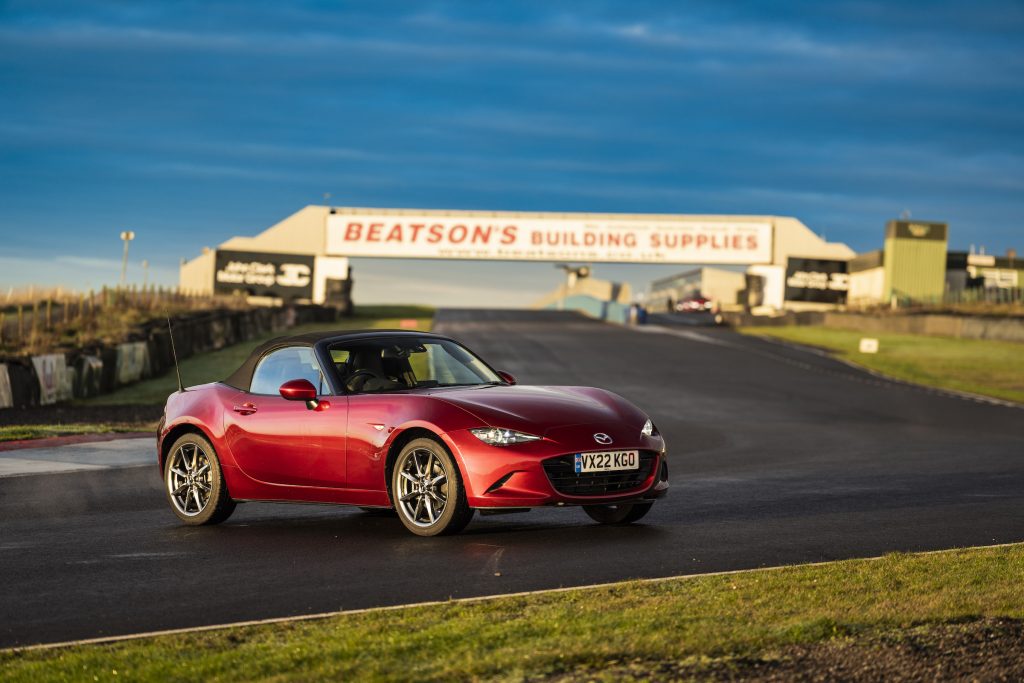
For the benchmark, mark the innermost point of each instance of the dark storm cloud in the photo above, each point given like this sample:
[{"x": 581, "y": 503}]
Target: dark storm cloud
[{"x": 196, "y": 121}]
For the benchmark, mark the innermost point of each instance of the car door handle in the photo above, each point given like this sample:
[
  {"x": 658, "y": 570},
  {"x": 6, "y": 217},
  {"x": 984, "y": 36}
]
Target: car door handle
[{"x": 245, "y": 409}]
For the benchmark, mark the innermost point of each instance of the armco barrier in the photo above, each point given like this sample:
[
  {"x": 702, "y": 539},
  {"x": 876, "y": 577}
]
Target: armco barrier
[
  {"x": 964, "y": 327},
  {"x": 928, "y": 324},
  {"x": 98, "y": 369}
]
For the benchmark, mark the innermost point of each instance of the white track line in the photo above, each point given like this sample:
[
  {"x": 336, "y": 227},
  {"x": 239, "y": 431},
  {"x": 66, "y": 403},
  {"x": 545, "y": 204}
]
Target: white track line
[{"x": 456, "y": 601}]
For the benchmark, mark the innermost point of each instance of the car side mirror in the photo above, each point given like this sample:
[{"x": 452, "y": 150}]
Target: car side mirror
[
  {"x": 506, "y": 376},
  {"x": 300, "y": 390}
]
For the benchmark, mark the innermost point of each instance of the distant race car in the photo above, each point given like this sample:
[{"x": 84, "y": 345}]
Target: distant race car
[
  {"x": 695, "y": 305},
  {"x": 406, "y": 420}
]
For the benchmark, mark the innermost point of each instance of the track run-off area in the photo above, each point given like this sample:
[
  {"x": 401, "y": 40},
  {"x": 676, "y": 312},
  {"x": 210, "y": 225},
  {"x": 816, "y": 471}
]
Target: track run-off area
[{"x": 777, "y": 456}]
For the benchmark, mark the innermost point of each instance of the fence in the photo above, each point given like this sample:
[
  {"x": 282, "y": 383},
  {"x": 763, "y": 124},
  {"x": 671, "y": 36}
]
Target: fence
[
  {"x": 97, "y": 368},
  {"x": 30, "y": 324},
  {"x": 1002, "y": 328}
]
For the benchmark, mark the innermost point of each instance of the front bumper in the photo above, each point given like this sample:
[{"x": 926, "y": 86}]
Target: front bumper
[{"x": 540, "y": 473}]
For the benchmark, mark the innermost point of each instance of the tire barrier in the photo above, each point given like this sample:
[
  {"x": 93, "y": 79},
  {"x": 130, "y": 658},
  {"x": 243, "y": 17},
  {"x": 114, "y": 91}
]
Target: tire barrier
[
  {"x": 50, "y": 372},
  {"x": 132, "y": 362},
  {"x": 88, "y": 376},
  {"x": 23, "y": 381},
  {"x": 101, "y": 368},
  {"x": 6, "y": 399}
]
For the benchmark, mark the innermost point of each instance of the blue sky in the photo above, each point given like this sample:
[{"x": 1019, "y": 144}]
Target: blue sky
[{"x": 190, "y": 122}]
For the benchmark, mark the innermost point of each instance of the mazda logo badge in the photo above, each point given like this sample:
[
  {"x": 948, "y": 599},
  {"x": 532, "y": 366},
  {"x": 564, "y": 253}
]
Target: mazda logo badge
[{"x": 602, "y": 438}]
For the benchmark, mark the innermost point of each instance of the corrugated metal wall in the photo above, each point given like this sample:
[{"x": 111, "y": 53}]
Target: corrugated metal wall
[{"x": 915, "y": 260}]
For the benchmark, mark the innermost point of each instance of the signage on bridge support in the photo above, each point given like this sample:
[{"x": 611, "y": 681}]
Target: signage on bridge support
[{"x": 498, "y": 237}]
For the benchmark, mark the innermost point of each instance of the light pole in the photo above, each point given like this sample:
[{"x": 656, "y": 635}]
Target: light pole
[{"x": 126, "y": 237}]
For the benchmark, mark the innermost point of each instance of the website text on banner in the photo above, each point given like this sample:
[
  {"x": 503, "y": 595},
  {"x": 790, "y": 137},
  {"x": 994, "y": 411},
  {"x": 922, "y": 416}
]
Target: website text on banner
[{"x": 539, "y": 239}]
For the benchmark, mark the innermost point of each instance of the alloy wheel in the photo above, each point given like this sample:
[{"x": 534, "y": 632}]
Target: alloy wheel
[
  {"x": 422, "y": 487},
  {"x": 189, "y": 479}
]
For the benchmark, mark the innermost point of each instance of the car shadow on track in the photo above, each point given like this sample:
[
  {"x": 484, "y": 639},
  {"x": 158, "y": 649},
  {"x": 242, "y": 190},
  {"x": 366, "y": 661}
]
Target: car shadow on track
[{"x": 290, "y": 528}]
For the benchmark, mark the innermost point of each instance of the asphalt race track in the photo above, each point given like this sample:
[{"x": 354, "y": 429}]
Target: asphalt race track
[{"x": 777, "y": 456}]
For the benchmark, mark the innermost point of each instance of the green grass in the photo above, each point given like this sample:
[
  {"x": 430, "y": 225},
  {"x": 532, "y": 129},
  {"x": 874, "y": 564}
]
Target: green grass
[
  {"x": 216, "y": 365},
  {"x": 699, "y": 621},
  {"x": 18, "y": 432},
  {"x": 979, "y": 366}
]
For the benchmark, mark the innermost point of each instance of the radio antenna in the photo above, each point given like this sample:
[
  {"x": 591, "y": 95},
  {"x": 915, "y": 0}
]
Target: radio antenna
[{"x": 174, "y": 354}]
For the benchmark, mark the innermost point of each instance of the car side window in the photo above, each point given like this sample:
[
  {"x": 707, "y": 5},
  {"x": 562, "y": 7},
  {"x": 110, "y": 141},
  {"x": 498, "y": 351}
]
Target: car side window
[{"x": 278, "y": 367}]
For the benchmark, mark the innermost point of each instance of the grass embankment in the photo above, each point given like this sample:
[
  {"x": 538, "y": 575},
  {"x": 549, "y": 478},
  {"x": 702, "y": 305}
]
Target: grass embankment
[
  {"x": 634, "y": 629},
  {"x": 216, "y": 365},
  {"x": 979, "y": 366},
  {"x": 19, "y": 432}
]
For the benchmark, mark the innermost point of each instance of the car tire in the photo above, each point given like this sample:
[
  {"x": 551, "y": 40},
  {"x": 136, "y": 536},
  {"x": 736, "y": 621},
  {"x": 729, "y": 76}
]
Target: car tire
[
  {"x": 424, "y": 476},
  {"x": 194, "y": 483},
  {"x": 626, "y": 513}
]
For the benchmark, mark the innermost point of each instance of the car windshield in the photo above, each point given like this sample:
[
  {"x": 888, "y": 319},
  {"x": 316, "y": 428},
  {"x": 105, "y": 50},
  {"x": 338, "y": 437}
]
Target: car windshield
[{"x": 378, "y": 365}]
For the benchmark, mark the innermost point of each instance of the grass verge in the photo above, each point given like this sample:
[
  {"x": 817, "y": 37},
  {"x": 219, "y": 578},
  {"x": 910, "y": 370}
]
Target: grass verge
[
  {"x": 697, "y": 622},
  {"x": 216, "y": 365},
  {"x": 979, "y": 366},
  {"x": 19, "y": 432}
]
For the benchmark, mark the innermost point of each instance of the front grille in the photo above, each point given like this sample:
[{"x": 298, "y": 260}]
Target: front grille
[{"x": 561, "y": 472}]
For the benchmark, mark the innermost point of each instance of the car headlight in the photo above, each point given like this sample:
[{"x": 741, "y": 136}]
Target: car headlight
[
  {"x": 648, "y": 429},
  {"x": 502, "y": 437}
]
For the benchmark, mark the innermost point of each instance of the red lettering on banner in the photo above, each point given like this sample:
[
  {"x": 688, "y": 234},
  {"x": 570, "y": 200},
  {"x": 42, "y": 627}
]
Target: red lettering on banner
[
  {"x": 752, "y": 242},
  {"x": 536, "y": 238},
  {"x": 508, "y": 234},
  {"x": 461, "y": 230},
  {"x": 436, "y": 233},
  {"x": 685, "y": 241},
  {"x": 353, "y": 231},
  {"x": 396, "y": 234},
  {"x": 482, "y": 234},
  {"x": 631, "y": 240},
  {"x": 415, "y": 228},
  {"x": 373, "y": 232},
  {"x": 701, "y": 240}
]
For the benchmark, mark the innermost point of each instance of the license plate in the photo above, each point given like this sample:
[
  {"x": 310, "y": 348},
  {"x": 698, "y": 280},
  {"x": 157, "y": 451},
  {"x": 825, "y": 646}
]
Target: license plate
[{"x": 611, "y": 461}]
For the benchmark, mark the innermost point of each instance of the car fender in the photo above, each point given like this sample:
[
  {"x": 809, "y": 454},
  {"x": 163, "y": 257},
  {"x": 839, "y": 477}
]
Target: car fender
[
  {"x": 440, "y": 418},
  {"x": 200, "y": 408}
]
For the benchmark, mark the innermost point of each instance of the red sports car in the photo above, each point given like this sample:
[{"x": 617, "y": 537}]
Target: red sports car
[{"x": 407, "y": 420}]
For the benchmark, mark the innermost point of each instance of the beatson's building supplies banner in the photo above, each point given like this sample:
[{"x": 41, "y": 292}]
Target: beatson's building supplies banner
[{"x": 622, "y": 240}]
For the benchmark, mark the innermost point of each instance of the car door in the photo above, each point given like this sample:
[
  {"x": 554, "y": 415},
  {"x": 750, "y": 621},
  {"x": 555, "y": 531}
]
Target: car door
[{"x": 278, "y": 441}]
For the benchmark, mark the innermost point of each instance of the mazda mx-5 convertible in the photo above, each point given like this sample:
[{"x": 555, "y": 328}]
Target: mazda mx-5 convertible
[{"x": 407, "y": 420}]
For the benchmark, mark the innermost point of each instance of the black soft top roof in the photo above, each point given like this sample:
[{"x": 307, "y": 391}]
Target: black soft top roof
[{"x": 242, "y": 377}]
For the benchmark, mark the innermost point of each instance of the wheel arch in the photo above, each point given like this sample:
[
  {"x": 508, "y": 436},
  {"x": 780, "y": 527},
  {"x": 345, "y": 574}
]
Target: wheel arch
[
  {"x": 175, "y": 433},
  {"x": 412, "y": 433}
]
